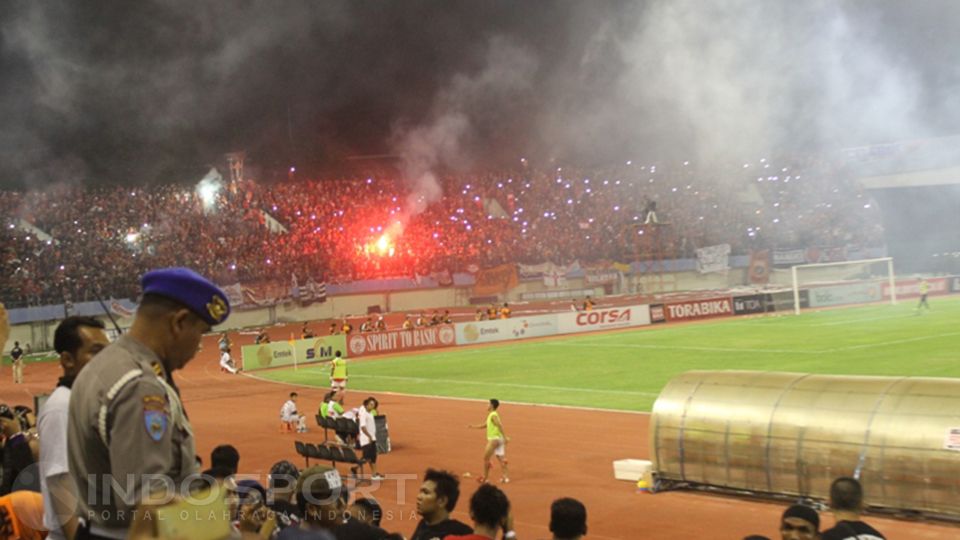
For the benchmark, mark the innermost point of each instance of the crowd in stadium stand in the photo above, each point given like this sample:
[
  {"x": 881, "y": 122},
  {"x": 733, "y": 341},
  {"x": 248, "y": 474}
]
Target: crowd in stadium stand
[{"x": 103, "y": 237}]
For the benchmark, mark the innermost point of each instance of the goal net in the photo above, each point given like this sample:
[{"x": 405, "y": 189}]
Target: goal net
[{"x": 838, "y": 283}]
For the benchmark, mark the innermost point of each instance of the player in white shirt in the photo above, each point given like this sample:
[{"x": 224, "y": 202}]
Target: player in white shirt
[
  {"x": 226, "y": 363},
  {"x": 290, "y": 418},
  {"x": 368, "y": 435}
]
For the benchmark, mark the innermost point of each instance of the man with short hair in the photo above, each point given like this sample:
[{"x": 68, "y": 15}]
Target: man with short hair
[
  {"x": 490, "y": 512},
  {"x": 924, "y": 290},
  {"x": 800, "y": 522},
  {"x": 227, "y": 364},
  {"x": 496, "y": 443},
  {"x": 322, "y": 499},
  {"x": 77, "y": 340},
  {"x": 225, "y": 457},
  {"x": 127, "y": 423},
  {"x": 281, "y": 490},
  {"x": 366, "y": 510},
  {"x": 846, "y": 502},
  {"x": 16, "y": 354},
  {"x": 290, "y": 418},
  {"x": 338, "y": 372},
  {"x": 568, "y": 519},
  {"x": 368, "y": 435},
  {"x": 438, "y": 497}
]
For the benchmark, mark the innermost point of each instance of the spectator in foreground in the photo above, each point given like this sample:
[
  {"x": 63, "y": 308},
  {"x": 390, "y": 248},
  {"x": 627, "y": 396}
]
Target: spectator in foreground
[
  {"x": 800, "y": 522},
  {"x": 322, "y": 500},
  {"x": 437, "y": 498},
  {"x": 77, "y": 340},
  {"x": 568, "y": 519},
  {"x": 490, "y": 512},
  {"x": 846, "y": 502},
  {"x": 224, "y": 462},
  {"x": 281, "y": 495},
  {"x": 366, "y": 510}
]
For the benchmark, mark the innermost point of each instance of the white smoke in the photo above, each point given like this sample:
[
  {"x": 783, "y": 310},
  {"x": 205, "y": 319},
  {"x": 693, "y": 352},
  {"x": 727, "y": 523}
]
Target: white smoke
[{"x": 439, "y": 142}]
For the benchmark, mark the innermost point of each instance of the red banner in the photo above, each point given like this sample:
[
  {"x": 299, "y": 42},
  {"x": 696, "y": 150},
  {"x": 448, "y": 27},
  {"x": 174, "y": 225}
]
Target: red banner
[
  {"x": 429, "y": 337},
  {"x": 759, "y": 267},
  {"x": 698, "y": 309}
]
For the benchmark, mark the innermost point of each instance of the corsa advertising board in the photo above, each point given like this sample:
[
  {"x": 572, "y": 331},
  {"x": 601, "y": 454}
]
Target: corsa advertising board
[
  {"x": 603, "y": 319},
  {"x": 414, "y": 339},
  {"x": 698, "y": 309},
  {"x": 910, "y": 288},
  {"x": 288, "y": 353},
  {"x": 851, "y": 293},
  {"x": 504, "y": 329}
]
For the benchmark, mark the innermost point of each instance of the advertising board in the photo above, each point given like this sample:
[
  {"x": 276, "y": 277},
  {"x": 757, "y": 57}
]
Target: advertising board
[
  {"x": 505, "y": 329},
  {"x": 603, "y": 319},
  {"x": 753, "y": 303},
  {"x": 287, "y": 353},
  {"x": 414, "y": 339},
  {"x": 851, "y": 293},
  {"x": 910, "y": 288},
  {"x": 698, "y": 309}
]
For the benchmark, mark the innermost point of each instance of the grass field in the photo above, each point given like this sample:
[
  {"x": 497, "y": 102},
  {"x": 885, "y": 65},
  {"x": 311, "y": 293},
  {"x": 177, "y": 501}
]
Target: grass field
[
  {"x": 5, "y": 360},
  {"x": 626, "y": 370}
]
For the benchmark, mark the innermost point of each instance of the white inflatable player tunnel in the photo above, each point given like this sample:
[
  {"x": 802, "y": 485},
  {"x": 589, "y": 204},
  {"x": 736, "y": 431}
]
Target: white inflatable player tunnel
[{"x": 792, "y": 434}]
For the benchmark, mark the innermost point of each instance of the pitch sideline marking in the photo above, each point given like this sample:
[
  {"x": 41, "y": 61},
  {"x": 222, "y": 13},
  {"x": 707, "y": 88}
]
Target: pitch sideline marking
[
  {"x": 683, "y": 348},
  {"x": 456, "y": 398}
]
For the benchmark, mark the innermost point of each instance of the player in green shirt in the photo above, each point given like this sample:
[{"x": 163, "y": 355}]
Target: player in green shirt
[
  {"x": 338, "y": 373},
  {"x": 924, "y": 289},
  {"x": 496, "y": 442}
]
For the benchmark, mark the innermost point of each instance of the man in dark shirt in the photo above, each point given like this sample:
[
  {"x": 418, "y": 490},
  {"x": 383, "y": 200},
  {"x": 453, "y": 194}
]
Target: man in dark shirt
[
  {"x": 16, "y": 354},
  {"x": 322, "y": 499},
  {"x": 17, "y": 455},
  {"x": 568, "y": 519},
  {"x": 437, "y": 498},
  {"x": 846, "y": 502}
]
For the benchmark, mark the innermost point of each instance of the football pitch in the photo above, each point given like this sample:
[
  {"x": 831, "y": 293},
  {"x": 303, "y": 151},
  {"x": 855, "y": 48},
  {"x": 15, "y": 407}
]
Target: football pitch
[{"x": 627, "y": 369}]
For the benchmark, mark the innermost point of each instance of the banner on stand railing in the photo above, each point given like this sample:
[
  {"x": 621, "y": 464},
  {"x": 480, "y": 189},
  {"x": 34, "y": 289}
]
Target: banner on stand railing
[{"x": 713, "y": 258}]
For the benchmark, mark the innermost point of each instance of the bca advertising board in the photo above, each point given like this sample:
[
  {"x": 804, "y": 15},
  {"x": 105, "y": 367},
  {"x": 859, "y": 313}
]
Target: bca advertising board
[
  {"x": 699, "y": 309},
  {"x": 910, "y": 288},
  {"x": 430, "y": 337},
  {"x": 853, "y": 293},
  {"x": 504, "y": 329},
  {"x": 603, "y": 319}
]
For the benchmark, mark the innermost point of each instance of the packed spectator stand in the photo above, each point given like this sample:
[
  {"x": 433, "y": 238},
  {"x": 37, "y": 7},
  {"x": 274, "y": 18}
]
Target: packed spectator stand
[{"x": 102, "y": 238}]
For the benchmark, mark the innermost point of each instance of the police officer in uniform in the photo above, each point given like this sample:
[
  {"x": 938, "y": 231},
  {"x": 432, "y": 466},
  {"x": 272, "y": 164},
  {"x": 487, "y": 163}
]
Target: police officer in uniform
[{"x": 128, "y": 432}]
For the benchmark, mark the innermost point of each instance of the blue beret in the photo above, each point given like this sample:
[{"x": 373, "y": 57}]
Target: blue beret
[{"x": 190, "y": 289}]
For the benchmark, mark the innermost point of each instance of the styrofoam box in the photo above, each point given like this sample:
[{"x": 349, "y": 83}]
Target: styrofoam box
[{"x": 632, "y": 469}]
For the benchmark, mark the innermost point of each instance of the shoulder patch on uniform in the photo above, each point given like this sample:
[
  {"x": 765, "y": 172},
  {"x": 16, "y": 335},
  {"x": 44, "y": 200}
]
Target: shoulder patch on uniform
[
  {"x": 157, "y": 368},
  {"x": 155, "y": 417}
]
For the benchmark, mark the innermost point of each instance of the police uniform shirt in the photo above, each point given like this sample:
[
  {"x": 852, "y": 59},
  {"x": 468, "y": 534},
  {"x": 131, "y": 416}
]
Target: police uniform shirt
[{"x": 127, "y": 422}]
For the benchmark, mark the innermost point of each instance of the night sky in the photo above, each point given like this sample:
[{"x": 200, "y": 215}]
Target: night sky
[{"x": 148, "y": 91}]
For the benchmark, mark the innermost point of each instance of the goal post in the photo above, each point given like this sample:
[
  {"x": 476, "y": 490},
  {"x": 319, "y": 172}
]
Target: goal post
[{"x": 891, "y": 277}]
